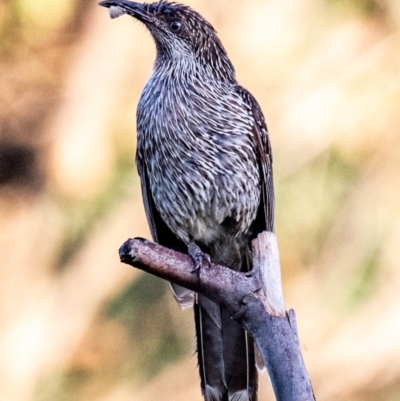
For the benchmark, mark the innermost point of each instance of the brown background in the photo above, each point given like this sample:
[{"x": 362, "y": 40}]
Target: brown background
[{"x": 78, "y": 325}]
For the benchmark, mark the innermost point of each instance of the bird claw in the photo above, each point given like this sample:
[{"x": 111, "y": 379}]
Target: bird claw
[{"x": 198, "y": 256}]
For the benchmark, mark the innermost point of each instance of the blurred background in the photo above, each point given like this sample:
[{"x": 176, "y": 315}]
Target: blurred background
[{"x": 78, "y": 325}]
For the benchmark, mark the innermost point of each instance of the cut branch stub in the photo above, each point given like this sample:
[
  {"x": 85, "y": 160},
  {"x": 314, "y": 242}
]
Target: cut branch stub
[{"x": 266, "y": 265}]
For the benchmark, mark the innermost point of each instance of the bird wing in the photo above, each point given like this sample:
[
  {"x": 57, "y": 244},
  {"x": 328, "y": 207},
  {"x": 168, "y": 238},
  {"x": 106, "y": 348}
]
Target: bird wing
[
  {"x": 162, "y": 234},
  {"x": 265, "y": 216}
]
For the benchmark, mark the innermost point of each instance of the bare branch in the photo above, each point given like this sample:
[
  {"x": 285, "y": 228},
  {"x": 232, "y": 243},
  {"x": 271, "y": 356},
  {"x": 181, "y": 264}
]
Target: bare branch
[{"x": 253, "y": 299}]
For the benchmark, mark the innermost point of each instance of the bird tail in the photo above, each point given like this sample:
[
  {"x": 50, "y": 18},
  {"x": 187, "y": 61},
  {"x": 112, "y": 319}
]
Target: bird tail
[{"x": 225, "y": 354}]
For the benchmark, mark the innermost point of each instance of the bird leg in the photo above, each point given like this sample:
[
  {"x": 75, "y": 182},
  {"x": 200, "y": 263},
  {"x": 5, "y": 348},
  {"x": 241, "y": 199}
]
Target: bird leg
[{"x": 198, "y": 256}]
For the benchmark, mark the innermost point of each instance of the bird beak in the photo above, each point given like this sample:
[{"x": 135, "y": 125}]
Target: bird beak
[{"x": 136, "y": 10}]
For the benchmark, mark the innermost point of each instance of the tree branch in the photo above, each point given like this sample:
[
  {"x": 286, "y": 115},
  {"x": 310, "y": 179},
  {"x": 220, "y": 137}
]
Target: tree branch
[{"x": 253, "y": 299}]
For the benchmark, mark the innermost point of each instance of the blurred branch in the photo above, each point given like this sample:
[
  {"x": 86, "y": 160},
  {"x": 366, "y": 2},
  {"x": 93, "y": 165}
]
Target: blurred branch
[{"x": 253, "y": 299}]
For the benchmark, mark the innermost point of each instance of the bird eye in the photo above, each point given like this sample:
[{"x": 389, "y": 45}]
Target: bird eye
[{"x": 175, "y": 26}]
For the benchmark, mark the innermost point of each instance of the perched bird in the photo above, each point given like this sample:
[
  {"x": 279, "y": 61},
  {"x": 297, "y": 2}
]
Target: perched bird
[{"x": 205, "y": 164}]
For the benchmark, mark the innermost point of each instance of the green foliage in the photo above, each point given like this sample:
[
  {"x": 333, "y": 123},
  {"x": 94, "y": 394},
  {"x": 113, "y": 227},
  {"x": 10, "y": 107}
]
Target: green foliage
[
  {"x": 365, "y": 277},
  {"x": 145, "y": 317},
  {"x": 309, "y": 199},
  {"x": 81, "y": 217},
  {"x": 62, "y": 386},
  {"x": 369, "y": 8}
]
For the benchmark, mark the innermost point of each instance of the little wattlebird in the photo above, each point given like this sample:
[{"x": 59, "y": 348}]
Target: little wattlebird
[{"x": 204, "y": 160}]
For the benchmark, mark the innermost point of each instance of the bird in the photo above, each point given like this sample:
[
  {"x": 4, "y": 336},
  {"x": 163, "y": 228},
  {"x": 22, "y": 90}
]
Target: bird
[{"x": 205, "y": 164}]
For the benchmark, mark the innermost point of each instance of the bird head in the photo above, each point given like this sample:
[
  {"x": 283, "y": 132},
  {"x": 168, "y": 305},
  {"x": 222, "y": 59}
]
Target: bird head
[{"x": 178, "y": 31}]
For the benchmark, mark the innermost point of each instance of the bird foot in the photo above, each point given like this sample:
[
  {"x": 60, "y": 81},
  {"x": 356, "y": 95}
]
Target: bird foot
[{"x": 198, "y": 256}]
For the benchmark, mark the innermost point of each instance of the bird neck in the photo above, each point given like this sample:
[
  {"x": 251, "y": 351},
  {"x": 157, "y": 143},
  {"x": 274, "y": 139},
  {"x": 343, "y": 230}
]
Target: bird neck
[{"x": 209, "y": 58}]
